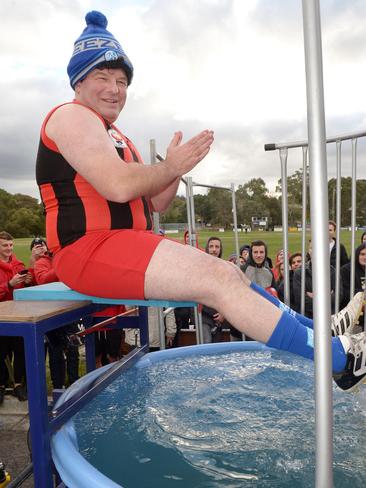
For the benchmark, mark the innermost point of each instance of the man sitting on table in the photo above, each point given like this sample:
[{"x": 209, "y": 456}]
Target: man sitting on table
[{"x": 98, "y": 196}]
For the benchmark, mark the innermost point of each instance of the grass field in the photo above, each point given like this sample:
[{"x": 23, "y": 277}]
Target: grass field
[{"x": 272, "y": 239}]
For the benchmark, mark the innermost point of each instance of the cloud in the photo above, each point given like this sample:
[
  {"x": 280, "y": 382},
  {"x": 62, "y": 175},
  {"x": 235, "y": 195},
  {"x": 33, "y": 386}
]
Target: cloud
[{"x": 231, "y": 65}]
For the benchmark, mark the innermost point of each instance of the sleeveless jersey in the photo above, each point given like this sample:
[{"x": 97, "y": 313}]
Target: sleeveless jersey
[{"x": 72, "y": 206}]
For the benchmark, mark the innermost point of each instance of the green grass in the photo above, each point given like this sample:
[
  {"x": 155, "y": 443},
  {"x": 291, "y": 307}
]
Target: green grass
[{"x": 272, "y": 239}]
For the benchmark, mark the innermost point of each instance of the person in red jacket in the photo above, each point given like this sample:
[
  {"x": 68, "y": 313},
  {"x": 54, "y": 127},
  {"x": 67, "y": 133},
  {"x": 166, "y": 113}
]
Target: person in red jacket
[
  {"x": 13, "y": 274},
  {"x": 62, "y": 344},
  {"x": 42, "y": 268}
]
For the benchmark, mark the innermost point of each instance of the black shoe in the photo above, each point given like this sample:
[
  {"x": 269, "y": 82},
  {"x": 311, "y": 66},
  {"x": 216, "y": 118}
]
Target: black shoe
[
  {"x": 2, "y": 394},
  {"x": 355, "y": 371},
  {"x": 20, "y": 392}
]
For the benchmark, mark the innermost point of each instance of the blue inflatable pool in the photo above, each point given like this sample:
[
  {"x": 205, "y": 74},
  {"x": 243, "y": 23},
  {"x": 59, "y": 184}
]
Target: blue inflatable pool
[{"x": 217, "y": 415}]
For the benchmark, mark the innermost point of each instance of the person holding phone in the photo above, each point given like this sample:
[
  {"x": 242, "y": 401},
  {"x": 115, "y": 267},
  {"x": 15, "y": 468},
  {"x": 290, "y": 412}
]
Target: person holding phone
[{"x": 13, "y": 274}]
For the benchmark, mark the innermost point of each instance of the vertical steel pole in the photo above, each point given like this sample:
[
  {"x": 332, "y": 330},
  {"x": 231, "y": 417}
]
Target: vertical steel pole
[
  {"x": 320, "y": 242},
  {"x": 235, "y": 219},
  {"x": 190, "y": 211},
  {"x": 353, "y": 222},
  {"x": 161, "y": 328},
  {"x": 193, "y": 242},
  {"x": 156, "y": 223},
  {"x": 303, "y": 233},
  {"x": 283, "y": 158},
  {"x": 339, "y": 224},
  {"x": 153, "y": 160}
]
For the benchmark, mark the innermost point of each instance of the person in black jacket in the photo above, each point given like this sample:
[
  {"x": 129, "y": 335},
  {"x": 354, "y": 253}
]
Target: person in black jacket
[
  {"x": 295, "y": 261},
  {"x": 332, "y": 227},
  {"x": 360, "y": 273},
  {"x": 309, "y": 287}
]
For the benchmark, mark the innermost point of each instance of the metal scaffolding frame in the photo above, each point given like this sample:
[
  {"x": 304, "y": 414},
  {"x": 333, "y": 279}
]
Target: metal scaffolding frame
[
  {"x": 191, "y": 221},
  {"x": 316, "y": 145}
]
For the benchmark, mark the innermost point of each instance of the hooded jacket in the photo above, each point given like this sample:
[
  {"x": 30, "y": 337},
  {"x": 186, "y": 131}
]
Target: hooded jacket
[
  {"x": 7, "y": 271},
  {"x": 296, "y": 283},
  {"x": 261, "y": 274},
  {"x": 343, "y": 255},
  {"x": 360, "y": 276}
]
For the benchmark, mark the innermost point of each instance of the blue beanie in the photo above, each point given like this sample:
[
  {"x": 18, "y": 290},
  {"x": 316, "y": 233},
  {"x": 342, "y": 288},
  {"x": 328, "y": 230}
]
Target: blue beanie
[{"x": 96, "y": 46}]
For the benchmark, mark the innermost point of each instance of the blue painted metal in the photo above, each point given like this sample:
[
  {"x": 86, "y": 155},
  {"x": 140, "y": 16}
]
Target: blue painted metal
[
  {"x": 33, "y": 335},
  {"x": 59, "y": 291}
]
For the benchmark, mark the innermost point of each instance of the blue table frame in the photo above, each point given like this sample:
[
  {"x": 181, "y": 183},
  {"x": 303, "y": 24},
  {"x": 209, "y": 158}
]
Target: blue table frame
[{"x": 33, "y": 334}]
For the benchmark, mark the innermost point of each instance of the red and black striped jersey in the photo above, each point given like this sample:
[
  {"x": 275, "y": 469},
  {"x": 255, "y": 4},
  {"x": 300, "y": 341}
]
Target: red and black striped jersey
[{"x": 73, "y": 207}]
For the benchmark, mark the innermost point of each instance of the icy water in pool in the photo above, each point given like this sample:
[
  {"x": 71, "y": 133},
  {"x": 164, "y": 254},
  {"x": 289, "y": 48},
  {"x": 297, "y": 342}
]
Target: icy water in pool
[{"x": 244, "y": 419}]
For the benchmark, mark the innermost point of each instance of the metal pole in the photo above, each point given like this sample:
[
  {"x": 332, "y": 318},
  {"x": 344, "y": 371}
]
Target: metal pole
[
  {"x": 289, "y": 145},
  {"x": 161, "y": 328},
  {"x": 190, "y": 210},
  {"x": 353, "y": 222},
  {"x": 303, "y": 233},
  {"x": 235, "y": 219},
  {"x": 189, "y": 216},
  {"x": 339, "y": 224},
  {"x": 156, "y": 222},
  {"x": 320, "y": 243},
  {"x": 283, "y": 158},
  {"x": 193, "y": 242},
  {"x": 154, "y": 161}
]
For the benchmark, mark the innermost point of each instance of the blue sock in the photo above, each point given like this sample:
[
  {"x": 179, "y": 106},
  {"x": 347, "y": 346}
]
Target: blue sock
[
  {"x": 282, "y": 306},
  {"x": 292, "y": 336}
]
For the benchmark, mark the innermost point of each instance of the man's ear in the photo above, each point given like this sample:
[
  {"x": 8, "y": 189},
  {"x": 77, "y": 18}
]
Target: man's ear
[{"x": 77, "y": 87}]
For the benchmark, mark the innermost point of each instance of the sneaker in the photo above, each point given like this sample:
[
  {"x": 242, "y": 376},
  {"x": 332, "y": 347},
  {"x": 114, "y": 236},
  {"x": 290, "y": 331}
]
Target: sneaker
[
  {"x": 355, "y": 371},
  {"x": 346, "y": 320},
  {"x": 2, "y": 394},
  {"x": 20, "y": 392}
]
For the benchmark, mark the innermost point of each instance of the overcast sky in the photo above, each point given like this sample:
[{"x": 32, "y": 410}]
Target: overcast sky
[{"x": 234, "y": 66}]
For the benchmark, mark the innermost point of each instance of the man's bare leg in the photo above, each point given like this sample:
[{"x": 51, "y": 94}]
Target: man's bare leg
[
  {"x": 179, "y": 272},
  {"x": 183, "y": 273}
]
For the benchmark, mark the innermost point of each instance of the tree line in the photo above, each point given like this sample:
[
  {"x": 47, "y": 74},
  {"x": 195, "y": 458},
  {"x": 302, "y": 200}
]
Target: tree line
[
  {"x": 23, "y": 216},
  {"x": 253, "y": 199}
]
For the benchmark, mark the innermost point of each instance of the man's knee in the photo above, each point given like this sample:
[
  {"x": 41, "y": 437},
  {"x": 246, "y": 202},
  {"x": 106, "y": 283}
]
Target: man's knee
[{"x": 224, "y": 274}]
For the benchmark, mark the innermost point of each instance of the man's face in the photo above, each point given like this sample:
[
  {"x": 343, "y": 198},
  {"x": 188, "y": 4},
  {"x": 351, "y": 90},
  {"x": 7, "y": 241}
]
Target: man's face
[
  {"x": 214, "y": 248},
  {"x": 105, "y": 91},
  {"x": 362, "y": 257},
  {"x": 296, "y": 263},
  {"x": 39, "y": 250},
  {"x": 259, "y": 254},
  {"x": 331, "y": 231},
  {"x": 6, "y": 250}
]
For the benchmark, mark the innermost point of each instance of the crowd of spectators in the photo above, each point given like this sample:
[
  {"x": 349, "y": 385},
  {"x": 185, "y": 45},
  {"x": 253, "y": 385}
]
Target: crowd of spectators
[{"x": 63, "y": 344}]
